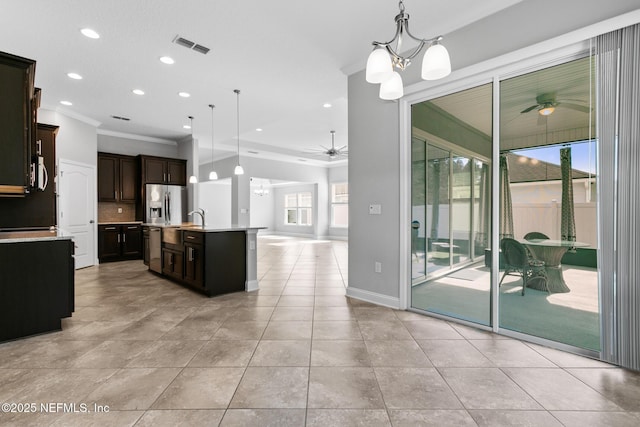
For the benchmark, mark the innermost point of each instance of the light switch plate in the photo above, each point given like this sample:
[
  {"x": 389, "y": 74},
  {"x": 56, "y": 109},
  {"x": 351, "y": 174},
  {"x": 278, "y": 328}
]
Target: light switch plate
[{"x": 375, "y": 209}]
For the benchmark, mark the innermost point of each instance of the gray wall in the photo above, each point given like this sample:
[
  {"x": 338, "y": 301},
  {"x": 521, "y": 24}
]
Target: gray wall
[
  {"x": 374, "y": 166},
  {"x": 76, "y": 140}
]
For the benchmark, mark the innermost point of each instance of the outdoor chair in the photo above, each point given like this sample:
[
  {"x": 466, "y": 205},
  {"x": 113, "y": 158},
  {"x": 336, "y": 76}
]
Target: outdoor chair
[
  {"x": 517, "y": 261},
  {"x": 532, "y": 235}
]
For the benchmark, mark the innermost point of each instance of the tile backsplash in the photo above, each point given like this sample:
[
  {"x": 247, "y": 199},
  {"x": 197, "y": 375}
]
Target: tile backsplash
[{"x": 108, "y": 212}]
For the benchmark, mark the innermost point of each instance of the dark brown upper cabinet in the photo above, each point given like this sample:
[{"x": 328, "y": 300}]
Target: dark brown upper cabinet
[
  {"x": 160, "y": 170},
  {"x": 117, "y": 177},
  {"x": 17, "y": 124}
]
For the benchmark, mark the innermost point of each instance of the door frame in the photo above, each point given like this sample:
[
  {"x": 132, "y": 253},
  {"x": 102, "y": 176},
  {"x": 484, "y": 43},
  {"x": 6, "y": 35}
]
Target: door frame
[{"x": 94, "y": 201}]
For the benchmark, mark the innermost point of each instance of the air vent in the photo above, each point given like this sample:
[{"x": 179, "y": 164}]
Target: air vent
[
  {"x": 191, "y": 45},
  {"x": 252, "y": 152},
  {"x": 126, "y": 119}
]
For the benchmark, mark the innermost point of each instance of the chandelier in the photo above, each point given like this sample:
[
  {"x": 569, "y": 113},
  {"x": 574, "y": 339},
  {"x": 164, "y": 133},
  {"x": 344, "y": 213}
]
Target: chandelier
[
  {"x": 381, "y": 62},
  {"x": 261, "y": 191}
]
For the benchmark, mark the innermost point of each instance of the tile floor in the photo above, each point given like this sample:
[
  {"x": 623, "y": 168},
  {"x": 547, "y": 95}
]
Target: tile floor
[{"x": 297, "y": 352}]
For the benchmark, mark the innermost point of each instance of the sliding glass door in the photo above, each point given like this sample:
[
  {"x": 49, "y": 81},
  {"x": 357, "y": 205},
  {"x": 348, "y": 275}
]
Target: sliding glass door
[
  {"x": 451, "y": 148},
  {"x": 547, "y": 140},
  {"x": 547, "y": 276}
]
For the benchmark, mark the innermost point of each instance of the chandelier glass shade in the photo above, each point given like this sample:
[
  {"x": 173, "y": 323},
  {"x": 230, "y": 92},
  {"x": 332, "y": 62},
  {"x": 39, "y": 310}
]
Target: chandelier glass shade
[{"x": 385, "y": 57}]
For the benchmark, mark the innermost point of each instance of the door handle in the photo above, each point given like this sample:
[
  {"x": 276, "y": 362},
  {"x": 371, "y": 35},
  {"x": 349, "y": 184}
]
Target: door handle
[
  {"x": 124, "y": 238},
  {"x": 118, "y": 238},
  {"x": 169, "y": 178},
  {"x": 109, "y": 228},
  {"x": 91, "y": 221}
]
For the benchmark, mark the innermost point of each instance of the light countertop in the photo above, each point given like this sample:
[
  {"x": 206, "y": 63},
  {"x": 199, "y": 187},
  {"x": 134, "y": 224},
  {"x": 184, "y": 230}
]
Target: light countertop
[{"x": 33, "y": 235}]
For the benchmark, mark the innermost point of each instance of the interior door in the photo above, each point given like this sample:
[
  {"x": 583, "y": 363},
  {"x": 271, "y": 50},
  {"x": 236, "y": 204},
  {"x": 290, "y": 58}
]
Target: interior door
[{"x": 77, "y": 208}]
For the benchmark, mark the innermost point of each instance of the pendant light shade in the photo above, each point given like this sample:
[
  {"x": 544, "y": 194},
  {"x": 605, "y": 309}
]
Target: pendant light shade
[
  {"x": 238, "y": 170},
  {"x": 392, "y": 88},
  {"x": 436, "y": 63},
  {"x": 379, "y": 66},
  {"x": 193, "y": 179},
  {"x": 212, "y": 175}
]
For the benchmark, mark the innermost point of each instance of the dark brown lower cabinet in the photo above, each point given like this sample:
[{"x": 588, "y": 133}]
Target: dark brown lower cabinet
[
  {"x": 172, "y": 263},
  {"x": 119, "y": 242},
  {"x": 210, "y": 262},
  {"x": 37, "y": 286}
]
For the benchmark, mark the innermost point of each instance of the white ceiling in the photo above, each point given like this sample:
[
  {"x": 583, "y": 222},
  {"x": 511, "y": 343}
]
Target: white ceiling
[{"x": 287, "y": 57}]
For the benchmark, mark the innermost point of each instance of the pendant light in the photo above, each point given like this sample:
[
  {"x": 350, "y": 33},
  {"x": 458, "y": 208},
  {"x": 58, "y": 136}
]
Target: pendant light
[
  {"x": 436, "y": 63},
  {"x": 238, "y": 170},
  {"x": 212, "y": 175},
  {"x": 192, "y": 179}
]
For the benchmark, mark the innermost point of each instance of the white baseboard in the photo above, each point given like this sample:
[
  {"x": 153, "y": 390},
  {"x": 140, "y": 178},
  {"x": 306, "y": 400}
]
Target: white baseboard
[
  {"x": 373, "y": 297},
  {"x": 251, "y": 285}
]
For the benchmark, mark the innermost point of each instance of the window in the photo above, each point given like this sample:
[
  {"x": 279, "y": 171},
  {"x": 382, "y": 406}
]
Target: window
[
  {"x": 297, "y": 209},
  {"x": 340, "y": 205}
]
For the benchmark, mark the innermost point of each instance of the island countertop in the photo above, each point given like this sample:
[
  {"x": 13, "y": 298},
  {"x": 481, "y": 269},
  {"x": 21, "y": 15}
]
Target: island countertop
[
  {"x": 194, "y": 227},
  {"x": 16, "y": 236}
]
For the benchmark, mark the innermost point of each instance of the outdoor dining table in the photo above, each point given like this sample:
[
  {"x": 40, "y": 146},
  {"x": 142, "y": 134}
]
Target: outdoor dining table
[{"x": 551, "y": 252}]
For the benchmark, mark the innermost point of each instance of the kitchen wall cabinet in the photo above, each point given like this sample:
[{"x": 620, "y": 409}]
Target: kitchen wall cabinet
[
  {"x": 38, "y": 208},
  {"x": 160, "y": 170},
  {"x": 117, "y": 178},
  {"x": 17, "y": 120},
  {"x": 118, "y": 242}
]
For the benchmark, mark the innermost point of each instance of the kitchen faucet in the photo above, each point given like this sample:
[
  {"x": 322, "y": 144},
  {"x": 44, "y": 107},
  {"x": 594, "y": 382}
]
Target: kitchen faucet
[{"x": 200, "y": 212}]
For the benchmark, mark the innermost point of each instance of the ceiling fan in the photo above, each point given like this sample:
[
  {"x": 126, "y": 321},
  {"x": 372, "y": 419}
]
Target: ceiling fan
[
  {"x": 547, "y": 103},
  {"x": 333, "y": 152}
]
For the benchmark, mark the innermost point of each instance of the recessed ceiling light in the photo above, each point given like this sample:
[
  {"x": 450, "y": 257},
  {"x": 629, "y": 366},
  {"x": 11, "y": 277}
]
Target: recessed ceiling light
[
  {"x": 184, "y": 94},
  {"x": 167, "y": 60},
  {"x": 74, "y": 76},
  {"x": 259, "y": 129},
  {"x": 88, "y": 32},
  {"x": 67, "y": 103},
  {"x": 138, "y": 91},
  {"x": 186, "y": 126},
  {"x": 326, "y": 105}
]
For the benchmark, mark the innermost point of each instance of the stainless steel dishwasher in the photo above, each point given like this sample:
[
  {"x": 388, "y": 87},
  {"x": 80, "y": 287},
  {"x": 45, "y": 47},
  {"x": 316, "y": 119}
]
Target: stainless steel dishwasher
[{"x": 155, "y": 249}]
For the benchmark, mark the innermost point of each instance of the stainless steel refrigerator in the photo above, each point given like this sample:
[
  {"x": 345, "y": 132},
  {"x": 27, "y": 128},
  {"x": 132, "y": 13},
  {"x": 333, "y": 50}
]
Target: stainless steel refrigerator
[{"x": 165, "y": 204}]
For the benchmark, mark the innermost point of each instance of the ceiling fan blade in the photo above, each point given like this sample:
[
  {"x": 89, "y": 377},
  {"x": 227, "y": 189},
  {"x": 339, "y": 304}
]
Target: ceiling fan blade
[
  {"x": 341, "y": 148},
  {"x": 576, "y": 107},
  {"x": 526, "y": 110}
]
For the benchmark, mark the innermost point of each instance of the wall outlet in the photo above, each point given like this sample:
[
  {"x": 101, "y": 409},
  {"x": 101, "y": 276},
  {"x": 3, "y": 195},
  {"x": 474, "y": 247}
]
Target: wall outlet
[
  {"x": 375, "y": 209},
  {"x": 119, "y": 210},
  {"x": 377, "y": 267}
]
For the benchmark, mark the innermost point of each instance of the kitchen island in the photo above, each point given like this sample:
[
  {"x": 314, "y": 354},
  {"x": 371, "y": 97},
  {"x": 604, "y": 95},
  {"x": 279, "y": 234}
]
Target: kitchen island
[
  {"x": 211, "y": 260},
  {"x": 36, "y": 283}
]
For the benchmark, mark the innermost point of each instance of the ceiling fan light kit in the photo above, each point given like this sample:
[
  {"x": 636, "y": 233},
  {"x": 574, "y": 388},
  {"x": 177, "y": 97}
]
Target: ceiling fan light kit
[{"x": 436, "y": 63}]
